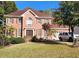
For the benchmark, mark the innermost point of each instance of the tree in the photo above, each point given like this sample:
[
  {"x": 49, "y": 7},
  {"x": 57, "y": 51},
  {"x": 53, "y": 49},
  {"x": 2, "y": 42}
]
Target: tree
[
  {"x": 68, "y": 14},
  {"x": 10, "y": 30},
  {"x": 45, "y": 27},
  {"x": 51, "y": 32},
  {"x": 48, "y": 30},
  {"x": 1, "y": 10},
  {"x": 48, "y": 11},
  {"x": 7, "y": 7},
  {"x": 2, "y": 36}
]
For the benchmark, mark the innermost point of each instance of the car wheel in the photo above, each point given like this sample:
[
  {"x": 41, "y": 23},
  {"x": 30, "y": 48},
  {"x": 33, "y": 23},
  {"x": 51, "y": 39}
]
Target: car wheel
[{"x": 70, "y": 39}]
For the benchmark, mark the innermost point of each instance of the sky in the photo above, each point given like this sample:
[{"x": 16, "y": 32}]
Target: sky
[{"x": 38, "y": 5}]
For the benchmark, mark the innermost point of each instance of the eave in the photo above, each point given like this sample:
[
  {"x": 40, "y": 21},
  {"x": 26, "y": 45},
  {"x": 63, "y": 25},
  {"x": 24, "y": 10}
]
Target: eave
[{"x": 12, "y": 16}]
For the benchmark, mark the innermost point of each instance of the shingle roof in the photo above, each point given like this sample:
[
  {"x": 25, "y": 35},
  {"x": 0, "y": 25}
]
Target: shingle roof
[
  {"x": 38, "y": 13},
  {"x": 19, "y": 12}
]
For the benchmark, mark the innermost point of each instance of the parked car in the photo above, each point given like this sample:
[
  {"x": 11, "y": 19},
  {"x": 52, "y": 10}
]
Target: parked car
[{"x": 66, "y": 36}]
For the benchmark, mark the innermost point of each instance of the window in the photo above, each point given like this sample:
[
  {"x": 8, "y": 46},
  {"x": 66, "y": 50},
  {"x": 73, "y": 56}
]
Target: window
[
  {"x": 11, "y": 20},
  {"x": 29, "y": 25},
  {"x": 39, "y": 32},
  {"x": 65, "y": 33},
  {"x": 19, "y": 20},
  {"x": 29, "y": 22},
  {"x": 19, "y": 32},
  {"x": 16, "y": 20},
  {"x": 39, "y": 21}
]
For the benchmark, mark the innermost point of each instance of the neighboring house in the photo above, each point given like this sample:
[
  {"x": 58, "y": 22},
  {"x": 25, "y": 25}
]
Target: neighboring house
[{"x": 27, "y": 22}]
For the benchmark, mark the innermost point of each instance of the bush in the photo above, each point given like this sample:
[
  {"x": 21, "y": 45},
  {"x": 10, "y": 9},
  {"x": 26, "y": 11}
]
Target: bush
[
  {"x": 41, "y": 39},
  {"x": 4, "y": 41},
  {"x": 11, "y": 40},
  {"x": 16, "y": 40},
  {"x": 34, "y": 39},
  {"x": 7, "y": 40}
]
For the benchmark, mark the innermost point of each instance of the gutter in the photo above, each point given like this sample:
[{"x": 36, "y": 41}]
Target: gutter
[
  {"x": 59, "y": 28},
  {"x": 11, "y": 16}
]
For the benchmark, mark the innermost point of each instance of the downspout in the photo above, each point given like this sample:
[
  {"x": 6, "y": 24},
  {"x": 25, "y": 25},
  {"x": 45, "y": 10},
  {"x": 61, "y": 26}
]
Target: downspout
[{"x": 21, "y": 26}]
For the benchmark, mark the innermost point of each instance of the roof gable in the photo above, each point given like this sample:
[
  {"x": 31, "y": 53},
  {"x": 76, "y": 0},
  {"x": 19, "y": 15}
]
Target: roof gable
[
  {"x": 35, "y": 12},
  {"x": 40, "y": 14}
]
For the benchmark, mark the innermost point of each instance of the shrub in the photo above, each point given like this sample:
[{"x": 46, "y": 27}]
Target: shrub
[
  {"x": 4, "y": 41},
  {"x": 11, "y": 40},
  {"x": 34, "y": 39},
  {"x": 7, "y": 40},
  {"x": 41, "y": 39},
  {"x": 16, "y": 40}
]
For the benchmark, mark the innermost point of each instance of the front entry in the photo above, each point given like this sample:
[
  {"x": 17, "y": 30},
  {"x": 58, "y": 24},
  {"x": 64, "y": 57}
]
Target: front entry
[{"x": 29, "y": 33}]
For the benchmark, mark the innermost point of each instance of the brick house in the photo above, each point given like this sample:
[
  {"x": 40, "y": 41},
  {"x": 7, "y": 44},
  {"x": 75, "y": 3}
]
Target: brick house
[{"x": 28, "y": 22}]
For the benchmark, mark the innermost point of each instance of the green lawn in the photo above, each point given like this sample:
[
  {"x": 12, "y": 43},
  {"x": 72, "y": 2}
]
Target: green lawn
[{"x": 39, "y": 50}]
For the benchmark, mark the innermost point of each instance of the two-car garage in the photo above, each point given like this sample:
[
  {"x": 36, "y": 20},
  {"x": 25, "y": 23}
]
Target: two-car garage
[{"x": 59, "y": 30}]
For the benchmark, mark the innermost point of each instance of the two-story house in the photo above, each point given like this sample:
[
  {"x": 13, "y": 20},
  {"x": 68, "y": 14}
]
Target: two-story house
[{"x": 28, "y": 22}]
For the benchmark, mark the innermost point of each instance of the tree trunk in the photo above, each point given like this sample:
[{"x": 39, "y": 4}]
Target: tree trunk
[
  {"x": 3, "y": 43},
  {"x": 72, "y": 30}
]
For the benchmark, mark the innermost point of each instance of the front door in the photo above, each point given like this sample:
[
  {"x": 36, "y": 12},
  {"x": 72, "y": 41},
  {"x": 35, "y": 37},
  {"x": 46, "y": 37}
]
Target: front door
[{"x": 29, "y": 33}]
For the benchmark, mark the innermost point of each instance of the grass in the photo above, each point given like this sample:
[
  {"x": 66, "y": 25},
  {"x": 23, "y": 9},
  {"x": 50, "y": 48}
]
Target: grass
[{"x": 37, "y": 50}]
